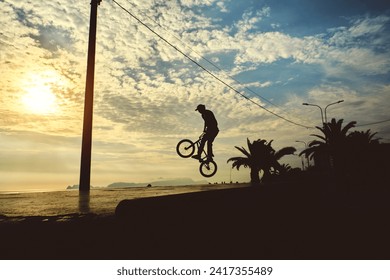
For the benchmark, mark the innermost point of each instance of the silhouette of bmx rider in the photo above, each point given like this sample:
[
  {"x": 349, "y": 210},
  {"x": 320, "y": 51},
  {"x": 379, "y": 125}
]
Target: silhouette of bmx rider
[{"x": 210, "y": 131}]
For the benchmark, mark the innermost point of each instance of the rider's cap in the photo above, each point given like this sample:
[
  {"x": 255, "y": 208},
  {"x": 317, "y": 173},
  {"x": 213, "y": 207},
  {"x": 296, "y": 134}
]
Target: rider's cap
[{"x": 200, "y": 106}]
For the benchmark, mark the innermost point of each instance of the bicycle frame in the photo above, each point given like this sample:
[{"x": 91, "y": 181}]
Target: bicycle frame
[{"x": 197, "y": 145}]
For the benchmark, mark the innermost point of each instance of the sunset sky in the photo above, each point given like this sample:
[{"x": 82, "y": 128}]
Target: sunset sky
[{"x": 279, "y": 54}]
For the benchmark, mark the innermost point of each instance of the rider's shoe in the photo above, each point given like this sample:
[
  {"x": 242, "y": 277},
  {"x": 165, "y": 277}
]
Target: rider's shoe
[
  {"x": 196, "y": 157},
  {"x": 209, "y": 159}
]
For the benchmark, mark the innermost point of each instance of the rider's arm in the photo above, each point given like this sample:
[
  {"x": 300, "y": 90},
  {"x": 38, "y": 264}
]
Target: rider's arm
[{"x": 204, "y": 116}]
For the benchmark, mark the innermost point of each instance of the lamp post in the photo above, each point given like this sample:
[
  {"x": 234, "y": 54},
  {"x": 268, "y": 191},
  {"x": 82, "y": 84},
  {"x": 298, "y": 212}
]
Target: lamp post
[
  {"x": 322, "y": 115},
  {"x": 323, "y": 112},
  {"x": 308, "y": 163},
  {"x": 331, "y": 105}
]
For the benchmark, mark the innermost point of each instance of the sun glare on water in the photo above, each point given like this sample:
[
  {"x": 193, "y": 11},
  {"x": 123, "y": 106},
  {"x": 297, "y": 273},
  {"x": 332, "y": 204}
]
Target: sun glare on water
[{"x": 39, "y": 97}]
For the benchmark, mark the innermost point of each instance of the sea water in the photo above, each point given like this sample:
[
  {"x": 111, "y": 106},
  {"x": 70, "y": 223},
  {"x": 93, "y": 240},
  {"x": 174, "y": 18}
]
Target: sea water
[{"x": 99, "y": 201}]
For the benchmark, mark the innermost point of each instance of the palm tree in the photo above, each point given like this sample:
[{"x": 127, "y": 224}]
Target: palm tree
[
  {"x": 270, "y": 161},
  {"x": 361, "y": 148},
  {"x": 333, "y": 144},
  {"x": 286, "y": 172},
  {"x": 250, "y": 159},
  {"x": 260, "y": 156},
  {"x": 363, "y": 138}
]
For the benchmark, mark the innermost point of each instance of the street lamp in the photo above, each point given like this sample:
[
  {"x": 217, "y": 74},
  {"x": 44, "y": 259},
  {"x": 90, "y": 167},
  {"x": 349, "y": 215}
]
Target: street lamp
[
  {"x": 322, "y": 112},
  {"x": 322, "y": 115},
  {"x": 330, "y": 105}
]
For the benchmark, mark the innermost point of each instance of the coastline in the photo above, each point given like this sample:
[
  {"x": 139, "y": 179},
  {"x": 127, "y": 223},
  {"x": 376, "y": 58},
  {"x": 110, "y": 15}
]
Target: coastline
[{"x": 101, "y": 201}]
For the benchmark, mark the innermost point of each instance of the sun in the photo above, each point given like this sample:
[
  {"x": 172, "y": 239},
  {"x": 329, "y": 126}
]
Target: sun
[
  {"x": 38, "y": 97},
  {"x": 40, "y": 100}
]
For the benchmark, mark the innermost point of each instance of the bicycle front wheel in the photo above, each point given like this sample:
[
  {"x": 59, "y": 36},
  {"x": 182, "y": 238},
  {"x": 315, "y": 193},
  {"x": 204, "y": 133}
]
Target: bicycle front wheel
[
  {"x": 185, "y": 148},
  {"x": 208, "y": 168}
]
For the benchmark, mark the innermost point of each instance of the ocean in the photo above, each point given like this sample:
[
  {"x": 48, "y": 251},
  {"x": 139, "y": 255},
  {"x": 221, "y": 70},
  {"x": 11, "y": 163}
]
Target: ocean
[{"x": 100, "y": 201}]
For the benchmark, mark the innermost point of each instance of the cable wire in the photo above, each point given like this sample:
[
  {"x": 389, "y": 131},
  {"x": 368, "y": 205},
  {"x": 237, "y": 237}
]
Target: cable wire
[
  {"x": 373, "y": 123},
  {"x": 206, "y": 70},
  {"x": 204, "y": 58},
  {"x": 208, "y": 60}
]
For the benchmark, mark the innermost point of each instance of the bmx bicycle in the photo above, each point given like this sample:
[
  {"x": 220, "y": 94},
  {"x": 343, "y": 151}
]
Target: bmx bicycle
[{"x": 186, "y": 148}]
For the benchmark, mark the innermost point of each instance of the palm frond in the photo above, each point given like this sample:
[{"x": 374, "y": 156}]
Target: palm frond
[
  {"x": 319, "y": 136},
  {"x": 316, "y": 143},
  {"x": 285, "y": 151},
  {"x": 238, "y": 162},
  {"x": 308, "y": 151},
  {"x": 250, "y": 146},
  {"x": 347, "y": 127},
  {"x": 242, "y": 150}
]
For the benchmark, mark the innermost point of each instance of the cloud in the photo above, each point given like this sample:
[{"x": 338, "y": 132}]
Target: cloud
[
  {"x": 146, "y": 91},
  {"x": 361, "y": 28},
  {"x": 360, "y": 48},
  {"x": 250, "y": 21},
  {"x": 39, "y": 43},
  {"x": 32, "y": 152},
  {"x": 222, "y": 7}
]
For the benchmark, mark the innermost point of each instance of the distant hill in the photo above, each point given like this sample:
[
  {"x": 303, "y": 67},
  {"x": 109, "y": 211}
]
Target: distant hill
[
  {"x": 76, "y": 187},
  {"x": 124, "y": 185},
  {"x": 171, "y": 182}
]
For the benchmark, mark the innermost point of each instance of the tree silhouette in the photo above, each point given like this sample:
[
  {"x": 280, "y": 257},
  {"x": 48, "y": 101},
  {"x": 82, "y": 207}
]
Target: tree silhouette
[
  {"x": 362, "y": 149},
  {"x": 363, "y": 138},
  {"x": 260, "y": 156},
  {"x": 331, "y": 150}
]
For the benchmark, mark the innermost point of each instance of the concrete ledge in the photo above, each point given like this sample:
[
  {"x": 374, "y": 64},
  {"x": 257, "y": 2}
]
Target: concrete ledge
[
  {"x": 253, "y": 223},
  {"x": 278, "y": 221},
  {"x": 198, "y": 225}
]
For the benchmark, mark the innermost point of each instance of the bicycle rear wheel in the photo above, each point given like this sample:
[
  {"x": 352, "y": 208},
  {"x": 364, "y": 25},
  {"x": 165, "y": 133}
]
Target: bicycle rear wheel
[
  {"x": 185, "y": 148},
  {"x": 208, "y": 168}
]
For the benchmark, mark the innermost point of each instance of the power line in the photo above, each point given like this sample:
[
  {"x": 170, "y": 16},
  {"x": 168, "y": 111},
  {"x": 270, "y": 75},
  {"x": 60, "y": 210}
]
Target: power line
[
  {"x": 206, "y": 70},
  {"x": 204, "y": 58},
  {"x": 388, "y": 120},
  {"x": 207, "y": 60}
]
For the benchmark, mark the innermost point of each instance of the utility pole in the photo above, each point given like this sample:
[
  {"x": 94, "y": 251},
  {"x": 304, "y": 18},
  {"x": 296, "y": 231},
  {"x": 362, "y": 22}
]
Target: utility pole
[{"x": 85, "y": 168}]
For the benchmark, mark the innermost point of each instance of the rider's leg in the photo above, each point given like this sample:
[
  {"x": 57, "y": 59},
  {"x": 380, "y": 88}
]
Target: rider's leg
[
  {"x": 210, "y": 149},
  {"x": 201, "y": 147},
  {"x": 210, "y": 141}
]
